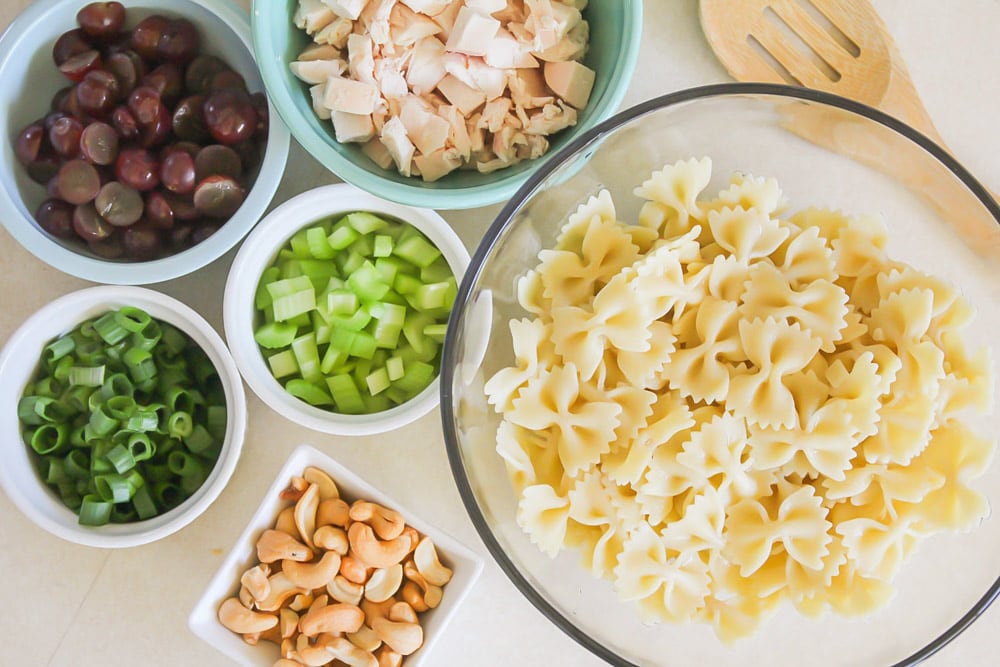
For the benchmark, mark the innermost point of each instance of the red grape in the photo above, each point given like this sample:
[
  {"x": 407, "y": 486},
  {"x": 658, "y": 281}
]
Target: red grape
[
  {"x": 259, "y": 101},
  {"x": 70, "y": 44},
  {"x": 56, "y": 217},
  {"x": 137, "y": 169},
  {"x": 119, "y": 204},
  {"x": 177, "y": 172},
  {"x": 189, "y": 122},
  {"x": 64, "y": 135},
  {"x": 101, "y": 19},
  {"x": 99, "y": 143},
  {"x": 128, "y": 68},
  {"x": 182, "y": 206},
  {"x": 89, "y": 225},
  {"x": 109, "y": 248},
  {"x": 76, "y": 66},
  {"x": 200, "y": 72},
  {"x": 179, "y": 42},
  {"x": 150, "y": 114},
  {"x": 98, "y": 92},
  {"x": 202, "y": 232},
  {"x": 158, "y": 211},
  {"x": 43, "y": 169},
  {"x": 79, "y": 181},
  {"x": 29, "y": 142},
  {"x": 142, "y": 241},
  {"x": 167, "y": 80},
  {"x": 59, "y": 99},
  {"x": 230, "y": 116},
  {"x": 227, "y": 80},
  {"x": 218, "y": 196},
  {"x": 147, "y": 34},
  {"x": 217, "y": 160}
]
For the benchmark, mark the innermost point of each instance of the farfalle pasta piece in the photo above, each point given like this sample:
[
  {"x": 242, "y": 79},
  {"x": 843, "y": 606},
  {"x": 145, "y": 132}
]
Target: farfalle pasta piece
[
  {"x": 673, "y": 195},
  {"x": 775, "y": 350},
  {"x": 598, "y": 209},
  {"x": 533, "y": 352},
  {"x": 754, "y": 192},
  {"x": 700, "y": 370},
  {"x": 804, "y": 258},
  {"x": 728, "y": 278},
  {"x": 903, "y": 432},
  {"x": 641, "y": 369},
  {"x": 531, "y": 457},
  {"x": 878, "y": 548},
  {"x": 700, "y": 529},
  {"x": 628, "y": 461},
  {"x": 828, "y": 222},
  {"x": 718, "y": 454},
  {"x": 586, "y": 428},
  {"x": 530, "y": 296},
  {"x": 746, "y": 234},
  {"x": 903, "y": 317},
  {"x": 543, "y": 514},
  {"x": 820, "y": 307}
]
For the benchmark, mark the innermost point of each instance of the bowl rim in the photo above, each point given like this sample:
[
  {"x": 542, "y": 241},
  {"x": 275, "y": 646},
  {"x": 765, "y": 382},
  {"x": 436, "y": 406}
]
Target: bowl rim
[
  {"x": 258, "y": 252},
  {"x": 415, "y": 194},
  {"x": 205, "y": 336},
  {"x": 503, "y": 220},
  {"x": 25, "y": 231}
]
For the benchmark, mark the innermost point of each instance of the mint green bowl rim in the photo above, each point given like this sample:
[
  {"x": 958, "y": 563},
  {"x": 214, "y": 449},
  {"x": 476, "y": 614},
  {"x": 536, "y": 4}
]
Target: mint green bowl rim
[{"x": 272, "y": 69}]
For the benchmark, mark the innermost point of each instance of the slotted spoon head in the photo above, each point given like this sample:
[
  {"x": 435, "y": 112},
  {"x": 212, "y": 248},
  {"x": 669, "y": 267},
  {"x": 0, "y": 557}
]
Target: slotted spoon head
[{"x": 839, "y": 46}]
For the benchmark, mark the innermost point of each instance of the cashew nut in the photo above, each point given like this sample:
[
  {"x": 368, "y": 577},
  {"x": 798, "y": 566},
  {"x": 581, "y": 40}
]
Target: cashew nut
[
  {"x": 384, "y": 583},
  {"x": 305, "y": 513},
  {"x": 414, "y": 537},
  {"x": 431, "y": 594},
  {"x": 365, "y": 638},
  {"x": 314, "y": 655},
  {"x": 333, "y": 512},
  {"x": 349, "y": 654},
  {"x": 239, "y": 619},
  {"x": 387, "y": 524},
  {"x": 288, "y": 648},
  {"x": 288, "y": 622},
  {"x": 275, "y": 545},
  {"x": 343, "y": 590},
  {"x": 403, "y": 638},
  {"x": 245, "y": 598},
  {"x": 313, "y": 575},
  {"x": 327, "y": 487},
  {"x": 354, "y": 570},
  {"x": 296, "y": 487},
  {"x": 375, "y": 610},
  {"x": 286, "y": 521},
  {"x": 272, "y": 635},
  {"x": 255, "y": 581},
  {"x": 333, "y": 618},
  {"x": 425, "y": 557},
  {"x": 282, "y": 588},
  {"x": 387, "y": 657},
  {"x": 402, "y": 612},
  {"x": 319, "y": 601},
  {"x": 374, "y": 552},
  {"x": 413, "y": 596},
  {"x": 301, "y": 602},
  {"x": 331, "y": 538}
]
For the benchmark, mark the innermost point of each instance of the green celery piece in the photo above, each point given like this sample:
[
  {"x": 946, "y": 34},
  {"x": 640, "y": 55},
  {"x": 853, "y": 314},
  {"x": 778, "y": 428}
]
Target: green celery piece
[
  {"x": 436, "y": 332},
  {"x": 345, "y": 394},
  {"x": 342, "y": 302},
  {"x": 375, "y": 404},
  {"x": 301, "y": 321},
  {"x": 361, "y": 370},
  {"x": 319, "y": 271},
  {"x": 392, "y": 296},
  {"x": 406, "y": 284},
  {"x": 290, "y": 268},
  {"x": 415, "y": 378},
  {"x": 389, "y": 313},
  {"x": 335, "y": 283},
  {"x": 363, "y": 345},
  {"x": 312, "y": 394},
  {"x": 285, "y": 254},
  {"x": 379, "y": 358},
  {"x": 382, "y": 246},
  {"x": 290, "y": 306},
  {"x": 416, "y": 250},
  {"x": 388, "y": 268},
  {"x": 300, "y": 244},
  {"x": 319, "y": 247},
  {"x": 333, "y": 358},
  {"x": 273, "y": 335},
  {"x": 413, "y": 330},
  {"x": 365, "y": 223},
  {"x": 394, "y": 368},
  {"x": 437, "y": 272},
  {"x": 356, "y": 322},
  {"x": 307, "y": 357},
  {"x": 341, "y": 236},
  {"x": 262, "y": 298},
  {"x": 396, "y": 395},
  {"x": 280, "y": 288},
  {"x": 363, "y": 246},
  {"x": 429, "y": 297},
  {"x": 342, "y": 339},
  {"x": 320, "y": 327},
  {"x": 366, "y": 283},
  {"x": 352, "y": 262},
  {"x": 283, "y": 364},
  {"x": 387, "y": 335},
  {"x": 377, "y": 381}
]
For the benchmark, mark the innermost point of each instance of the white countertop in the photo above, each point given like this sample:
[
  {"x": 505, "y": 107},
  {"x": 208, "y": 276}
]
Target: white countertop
[{"x": 70, "y": 605}]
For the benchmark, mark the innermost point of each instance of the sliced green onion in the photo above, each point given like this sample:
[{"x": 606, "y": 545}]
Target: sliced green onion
[
  {"x": 121, "y": 459},
  {"x": 199, "y": 440},
  {"x": 94, "y": 511},
  {"x": 58, "y": 349},
  {"x": 180, "y": 424},
  {"x": 109, "y": 329}
]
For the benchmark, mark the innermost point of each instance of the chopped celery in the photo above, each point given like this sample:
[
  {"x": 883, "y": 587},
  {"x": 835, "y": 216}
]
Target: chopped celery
[
  {"x": 387, "y": 334},
  {"x": 413, "y": 329},
  {"x": 355, "y": 322},
  {"x": 378, "y": 403},
  {"x": 416, "y": 377},
  {"x": 308, "y": 392},
  {"x": 307, "y": 357},
  {"x": 394, "y": 367},
  {"x": 319, "y": 247},
  {"x": 363, "y": 246},
  {"x": 437, "y": 272},
  {"x": 429, "y": 297},
  {"x": 363, "y": 345},
  {"x": 333, "y": 358},
  {"x": 406, "y": 284},
  {"x": 283, "y": 364},
  {"x": 341, "y": 302},
  {"x": 366, "y": 283},
  {"x": 382, "y": 246},
  {"x": 353, "y": 262},
  {"x": 292, "y": 305},
  {"x": 388, "y": 268},
  {"x": 262, "y": 298},
  {"x": 436, "y": 331},
  {"x": 377, "y": 381},
  {"x": 300, "y": 244},
  {"x": 345, "y": 394},
  {"x": 341, "y": 237},
  {"x": 365, "y": 223},
  {"x": 280, "y": 288},
  {"x": 416, "y": 250},
  {"x": 273, "y": 335}
]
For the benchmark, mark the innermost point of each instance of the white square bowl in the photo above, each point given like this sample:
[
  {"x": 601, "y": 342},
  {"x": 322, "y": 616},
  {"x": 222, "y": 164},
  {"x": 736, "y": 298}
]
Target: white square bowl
[{"x": 204, "y": 621}]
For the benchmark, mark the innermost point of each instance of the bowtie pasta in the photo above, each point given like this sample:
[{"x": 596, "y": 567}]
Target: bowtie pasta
[{"x": 726, "y": 405}]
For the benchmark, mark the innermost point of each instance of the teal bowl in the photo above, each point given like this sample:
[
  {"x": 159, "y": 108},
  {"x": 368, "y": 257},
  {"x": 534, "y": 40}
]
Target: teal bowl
[{"x": 615, "y": 30}]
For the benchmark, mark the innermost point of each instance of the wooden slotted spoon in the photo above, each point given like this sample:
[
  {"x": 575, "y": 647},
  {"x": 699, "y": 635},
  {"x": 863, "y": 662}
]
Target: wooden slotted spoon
[{"x": 841, "y": 47}]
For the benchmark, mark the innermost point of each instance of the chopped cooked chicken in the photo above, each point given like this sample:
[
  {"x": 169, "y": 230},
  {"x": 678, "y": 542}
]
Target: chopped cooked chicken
[
  {"x": 350, "y": 96},
  {"x": 458, "y": 135},
  {"x": 446, "y": 18},
  {"x": 377, "y": 153},
  {"x": 514, "y": 12},
  {"x": 506, "y": 52},
  {"x": 466, "y": 98},
  {"x": 407, "y": 27},
  {"x": 571, "y": 81},
  {"x": 349, "y": 9},
  {"x": 352, "y": 127},
  {"x": 400, "y": 147},
  {"x": 319, "y": 52},
  {"x": 317, "y": 71},
  {"x": 317, "y": 93},
  {"x": 549, "y": 22},
  {"x": 361, "y": 58},
  {"x": 427, "y": 7},
  {"x": 472, "y": 32},
  {"x": 551, "y": 119},
  {"x": 335, "y": 34},
  {"x": 426, "y": 129},
  {"x": 426, "y": 65},
  {"x": 436, "y": 165},
  {"x": 476, "y": 74},
  {"x": 571, "y": 47},
  {"x": 527, "y": 89},
  {"x": 390, "y": 79},
  {"x": 312, "y": 15},
  {"x": 495, "y": 114}
]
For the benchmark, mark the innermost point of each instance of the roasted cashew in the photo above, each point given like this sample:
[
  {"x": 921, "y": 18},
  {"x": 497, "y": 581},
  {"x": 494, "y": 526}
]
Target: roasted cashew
[
  {"x": 425, "y": 557},
  {"x": 313, "y": 575},
  {"x": 327, "y": 487},
  {"x": 333, "y": 618},
  {"x": 412, "y": 595},
  {"x": 374, "y": 552},
  {"x": 387, "y": 657},
  {"x": 282, "y": 588},
  {"x": 388, "y": 524},
  {"x": 331, "y": 538},
  {"x": 239, "y": 619},
  {"x": 403, "y": 638},
  {"x": 255, "y": 581},
  {"x": 430, "y": 594},
  {"x": 365, "y": 638},
  {"x": 401, "y": 612},
  {"x": 275, "y": 545},
  {"x": 343, "y": 590},
  {"x": 354, "y": 570},
  {"x": 305, "y": 514},
  {"x": 285, "y": 521},
  {"x": 333, "y": 512},
  {"x": 384, "y": 583},
  {"x": 288, "y": 622}
]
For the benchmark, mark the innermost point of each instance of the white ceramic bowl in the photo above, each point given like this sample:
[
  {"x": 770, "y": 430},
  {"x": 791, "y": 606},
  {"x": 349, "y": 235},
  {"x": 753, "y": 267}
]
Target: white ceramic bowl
[
  {"x": 29, "y": 79},
  {"x": 204, "y": 621},
  {"x": 259, "y": 251},
  {"x": 18, "y": 363}
]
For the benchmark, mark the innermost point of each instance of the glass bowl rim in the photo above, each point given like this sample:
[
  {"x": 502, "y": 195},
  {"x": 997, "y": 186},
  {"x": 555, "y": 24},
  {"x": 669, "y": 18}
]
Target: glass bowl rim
[{"x": 504, "y": 219}]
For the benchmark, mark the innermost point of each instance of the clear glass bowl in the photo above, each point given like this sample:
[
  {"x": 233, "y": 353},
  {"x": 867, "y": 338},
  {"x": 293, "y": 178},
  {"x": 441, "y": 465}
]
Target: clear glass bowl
[{"x": 824, "y": 151}]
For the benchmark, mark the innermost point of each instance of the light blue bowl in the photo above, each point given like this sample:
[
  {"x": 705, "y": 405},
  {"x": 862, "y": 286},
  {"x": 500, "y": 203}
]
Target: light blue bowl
[
  {"x": 29, "y": 79},
  {"x": 615, "y": 29}
]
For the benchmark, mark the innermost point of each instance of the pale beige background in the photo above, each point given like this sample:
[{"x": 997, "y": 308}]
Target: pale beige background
[{"x": 70, "y": 606}]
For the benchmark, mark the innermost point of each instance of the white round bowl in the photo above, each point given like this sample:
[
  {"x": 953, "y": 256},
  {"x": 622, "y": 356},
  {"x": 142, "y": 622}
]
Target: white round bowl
[
  {"x": 258, "y": 253},
  {"x": 29, "y": 79},
  {"x": 18, "y": 363}
]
